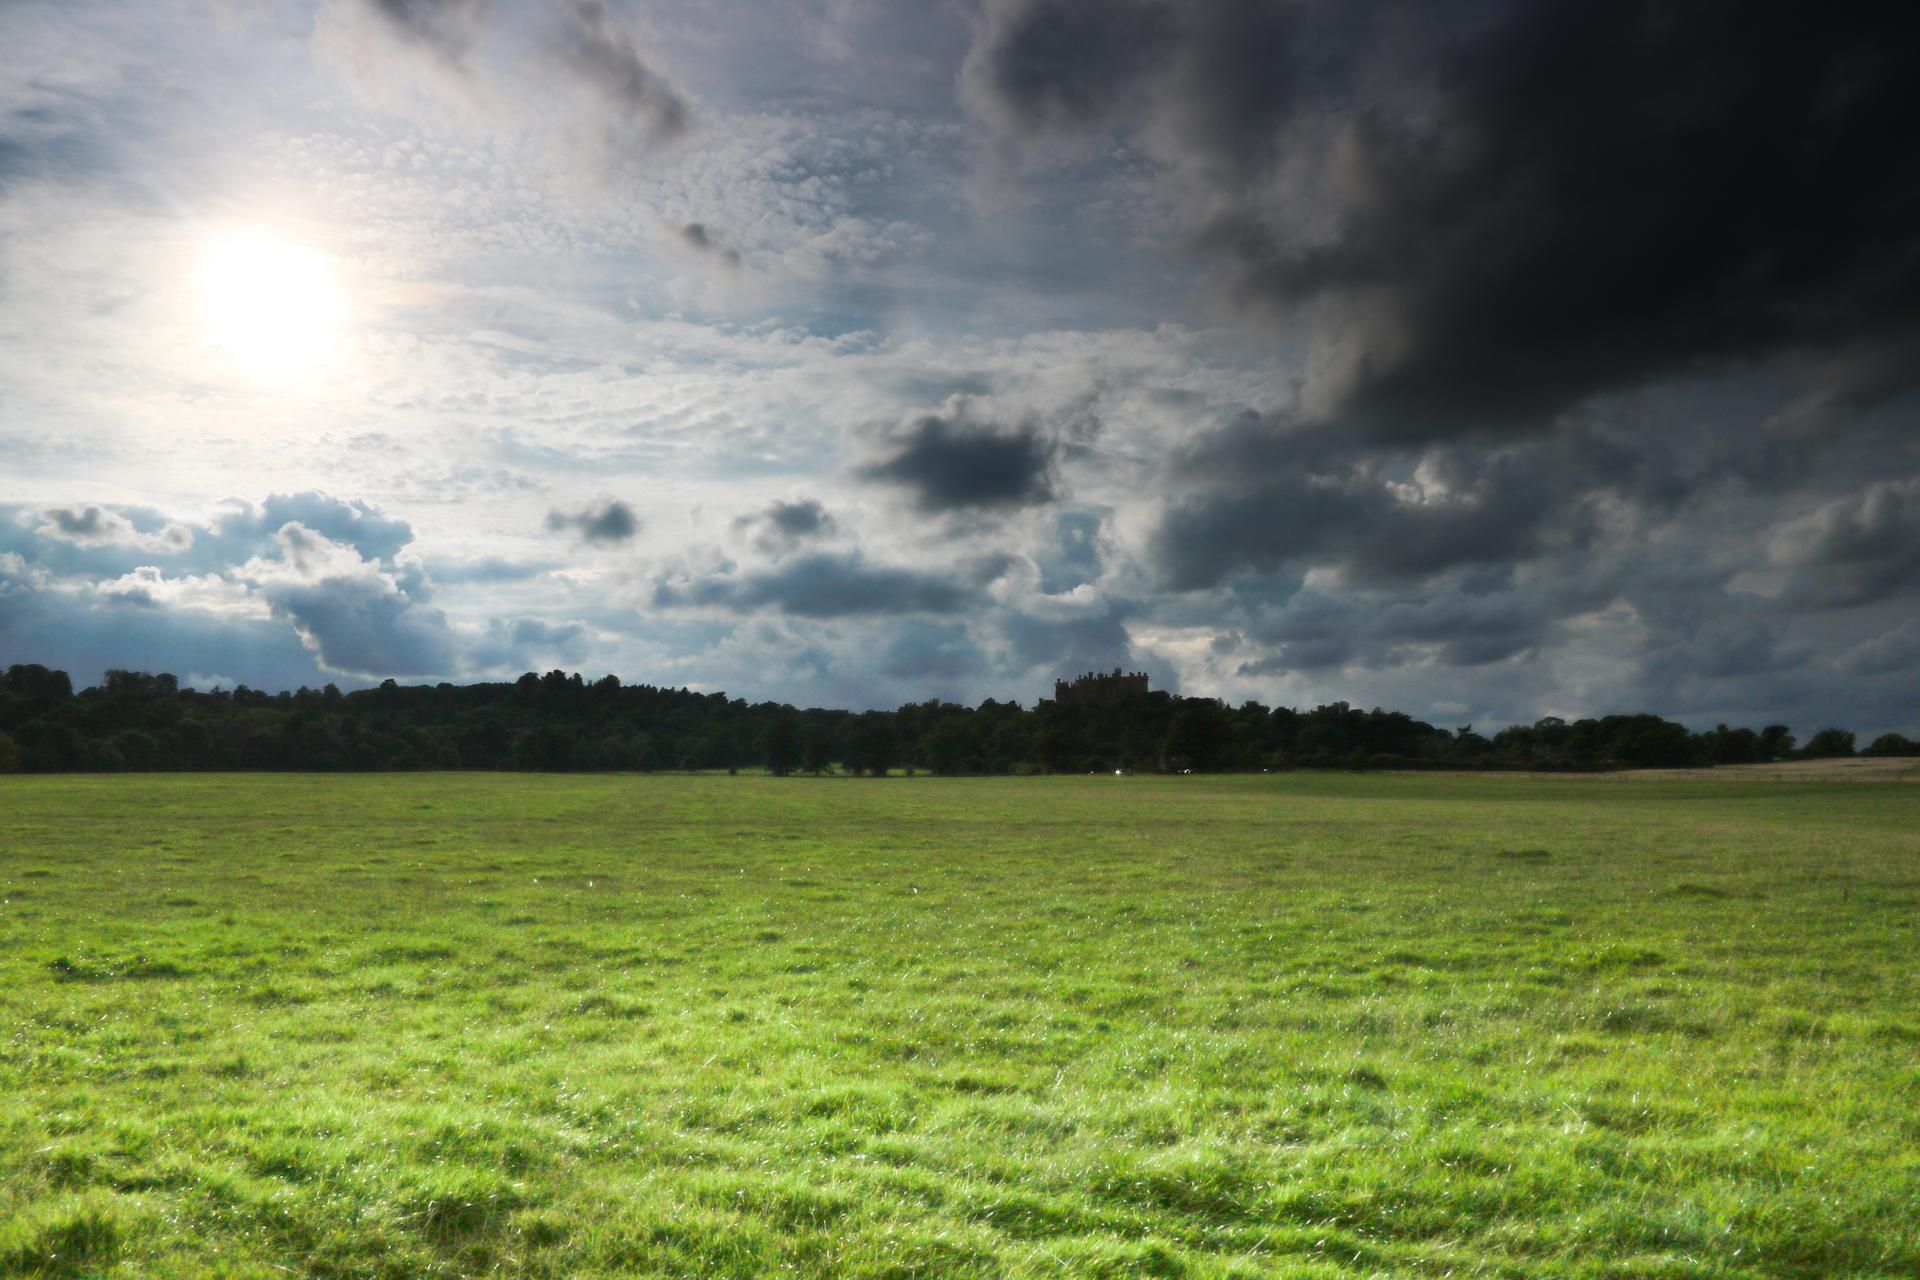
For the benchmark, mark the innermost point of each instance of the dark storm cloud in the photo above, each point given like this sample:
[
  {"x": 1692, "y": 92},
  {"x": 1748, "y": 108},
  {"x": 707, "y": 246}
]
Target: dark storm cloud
[
  {"x": 1265, "y": 494},
  {"x": 1855, "y": 550},
  {"x": 1602, "y": 307},
  {"x": 951, "y": 463},
  {"x": 1064, "y": 64},
  {"x": 1490, "y": 214},
  {"x": 1453, "y": 627},
  {"x": 1703, "y": 644},
  {"x": 1891, "y": 652},
  {"x": 1096, "y": 641},
  {"x": 606, "y": 522},
  {"x": 785, "y": 525},
  {"x": 822, "y": 585}
]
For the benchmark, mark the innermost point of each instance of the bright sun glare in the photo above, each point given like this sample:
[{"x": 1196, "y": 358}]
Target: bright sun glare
[{"x": 273, "y": 306}]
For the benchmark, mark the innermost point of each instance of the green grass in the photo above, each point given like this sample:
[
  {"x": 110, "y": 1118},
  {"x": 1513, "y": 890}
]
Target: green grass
[{"x": 1309, "y": 1026}]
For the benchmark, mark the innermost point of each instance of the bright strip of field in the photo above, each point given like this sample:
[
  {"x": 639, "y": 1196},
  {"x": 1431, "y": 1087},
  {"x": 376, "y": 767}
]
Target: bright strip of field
[{"x": 411, "y": 1025}]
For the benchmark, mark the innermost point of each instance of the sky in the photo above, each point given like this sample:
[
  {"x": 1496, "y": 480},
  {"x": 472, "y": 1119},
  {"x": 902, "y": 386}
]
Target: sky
[{"x": 1480, "y": 360}]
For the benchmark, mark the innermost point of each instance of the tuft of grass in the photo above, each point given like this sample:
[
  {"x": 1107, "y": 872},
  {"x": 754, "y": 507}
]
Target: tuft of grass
[{"x": 67, "y": 1235}]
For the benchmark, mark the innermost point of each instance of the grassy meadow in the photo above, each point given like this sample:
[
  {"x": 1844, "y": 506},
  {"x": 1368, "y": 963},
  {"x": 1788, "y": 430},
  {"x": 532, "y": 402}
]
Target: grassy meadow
[{"x": 1302, "y": 1025}]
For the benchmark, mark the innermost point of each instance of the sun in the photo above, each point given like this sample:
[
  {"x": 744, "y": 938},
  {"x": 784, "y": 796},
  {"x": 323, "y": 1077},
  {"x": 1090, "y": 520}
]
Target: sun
[{"x": 273, "y": 307}]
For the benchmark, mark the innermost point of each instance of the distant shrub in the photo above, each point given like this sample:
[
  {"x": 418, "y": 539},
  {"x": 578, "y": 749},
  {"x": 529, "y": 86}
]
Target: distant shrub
[{"x": 9, "y": 754}]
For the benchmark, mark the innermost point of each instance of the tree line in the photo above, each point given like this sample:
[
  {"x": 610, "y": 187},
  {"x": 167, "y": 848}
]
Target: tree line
[{"x": 559, "y": 721}]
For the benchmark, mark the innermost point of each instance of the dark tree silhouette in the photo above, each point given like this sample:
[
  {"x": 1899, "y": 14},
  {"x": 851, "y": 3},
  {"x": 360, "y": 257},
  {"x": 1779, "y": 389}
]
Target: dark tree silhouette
[
  {"x": 1829, "y": 743},
  {"x": 779, "y": 745},
  {"x": 560, "y": 721}
]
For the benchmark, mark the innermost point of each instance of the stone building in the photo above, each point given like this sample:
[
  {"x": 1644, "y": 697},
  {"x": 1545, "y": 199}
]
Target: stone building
[{"x": 1099, "y": 689}]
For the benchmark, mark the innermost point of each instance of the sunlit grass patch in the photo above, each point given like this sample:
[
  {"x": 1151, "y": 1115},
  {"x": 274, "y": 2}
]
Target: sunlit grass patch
[{"x": 1200, "y": 1027}]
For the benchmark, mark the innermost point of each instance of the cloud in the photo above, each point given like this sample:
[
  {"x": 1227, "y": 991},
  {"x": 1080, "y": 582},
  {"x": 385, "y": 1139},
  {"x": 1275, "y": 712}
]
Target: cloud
[
  {"x": 1486, "y": 217},
  {"x": 1075, "y": 556},
  {"x": 785, "y": 525},
  {"x": 55, "y": 144},
  {"x": 85, "y": 634},
  {"x": 696, "y": 237},
  {"x": 109, "y": 541},
  {"x": 93, "y": 527},
  {"x": 924, "y": 651},
  {"x": 595, "y": 47},
  {"x": 950, "y": 463},
  {"x": 246, "y": 529},
  {"x": 1062, "y": 66},
  {"x": 214, "y": 593},
  {"x": 355, "y": 615},
  {"x": 1891, "y": 652},
  {"x": 1854, "y": 550},
  {"x": 488, "y": 570},
  {"x": 1266, "y": 493},
  {"x": 1093, "y": 640},
  {"x": 1523, "y": 356},
  {"x": 586, "y": 65},
  {"x": 446, "y": 28},
  {"x": 822, "y": 585},
  {"x": 511, "y": 644},
  {"x": 358, "y": 623},
  {"x": 605, "y": 522},
  {"x": 1454, "y": 627},
  {"x": 332, "y": 576}
]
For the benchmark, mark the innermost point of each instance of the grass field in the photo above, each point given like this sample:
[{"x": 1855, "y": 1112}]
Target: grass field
[{"x": 1308, "y": 1026}]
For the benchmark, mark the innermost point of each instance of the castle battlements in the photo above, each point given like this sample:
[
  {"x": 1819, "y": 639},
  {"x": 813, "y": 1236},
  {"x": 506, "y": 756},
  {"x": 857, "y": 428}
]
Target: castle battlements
[{"x": 1100, "y": 688}]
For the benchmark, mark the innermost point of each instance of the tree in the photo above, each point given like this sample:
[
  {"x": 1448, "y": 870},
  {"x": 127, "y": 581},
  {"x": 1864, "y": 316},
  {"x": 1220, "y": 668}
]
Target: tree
[
  {"x": 816, "y": 750},
  {"x": 550, "y": 747},
  {"x": 871, "y": 747},
  {"x": 1196, "y": 735},
  {"x": 137, "y": 750},
  {"x": 9, "y": 754},
  {"x": 947, "y": 748},
  {"x": 1648, "y": 742},
  {"x": 779, "y": 745},
  {"x": 1058, "y": 748},
  {"x": 35, "y": 683},
  {"x": 48, "y": 746},
  {"x": 1829, "y": 743},
  {"x": 1733, "y": 746},
  {"x": 1775, "y": 742},
  {"x": 1892, "y": 744}
]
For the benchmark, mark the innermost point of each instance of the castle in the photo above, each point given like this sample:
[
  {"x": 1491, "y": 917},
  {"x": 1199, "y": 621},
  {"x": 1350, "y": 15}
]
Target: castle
[{"x": 1096, "y": 689}]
